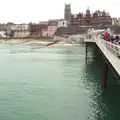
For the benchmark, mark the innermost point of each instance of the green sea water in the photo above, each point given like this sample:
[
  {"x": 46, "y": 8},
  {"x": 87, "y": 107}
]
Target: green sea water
[{"x": 54, "y": 83}]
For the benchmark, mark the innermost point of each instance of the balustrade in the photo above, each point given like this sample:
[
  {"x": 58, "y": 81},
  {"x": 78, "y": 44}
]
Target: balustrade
[{"x": 115, "y": 49}]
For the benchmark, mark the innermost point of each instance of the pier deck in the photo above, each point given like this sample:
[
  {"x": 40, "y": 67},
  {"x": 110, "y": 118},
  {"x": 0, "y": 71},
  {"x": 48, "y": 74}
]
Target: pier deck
[{"x": 110, "y": 51}]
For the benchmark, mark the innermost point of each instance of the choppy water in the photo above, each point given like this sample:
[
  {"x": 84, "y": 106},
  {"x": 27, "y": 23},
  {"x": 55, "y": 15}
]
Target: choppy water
[{"x": 54, "y": 83}]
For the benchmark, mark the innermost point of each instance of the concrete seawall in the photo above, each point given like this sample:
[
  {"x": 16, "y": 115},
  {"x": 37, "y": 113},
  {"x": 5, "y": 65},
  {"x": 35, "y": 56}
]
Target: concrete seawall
[{"x": 79, "y": 39}]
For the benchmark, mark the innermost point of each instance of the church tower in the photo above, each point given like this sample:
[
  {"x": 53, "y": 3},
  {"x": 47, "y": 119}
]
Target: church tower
[
  {"x": 88, "y": 16},
  {"x": 67, "y": 12}
]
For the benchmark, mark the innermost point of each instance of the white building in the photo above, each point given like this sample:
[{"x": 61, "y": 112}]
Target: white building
[
  {"x": 20, "y": 27},
  {"x": 2, "y": 34},
  {"x": 13, "y": 27},
  {"x": 62, "y": 23},
  {"x": 114, "y": 21},
  {"x": 118, "y": 21},
  {"x": 21, "y": 30}
]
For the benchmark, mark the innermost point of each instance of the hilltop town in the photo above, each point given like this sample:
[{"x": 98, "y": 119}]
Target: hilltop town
[{"x": 71, "y": 24}]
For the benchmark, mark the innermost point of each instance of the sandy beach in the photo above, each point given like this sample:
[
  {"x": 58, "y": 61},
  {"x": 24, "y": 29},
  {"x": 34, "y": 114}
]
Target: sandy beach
[
  {"x": 30, "y": 41},
  {"x": 25, "y": 41}
]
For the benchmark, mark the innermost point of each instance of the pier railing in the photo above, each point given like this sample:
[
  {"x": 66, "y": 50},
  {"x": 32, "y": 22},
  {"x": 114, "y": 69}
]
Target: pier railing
[{"x": 115, "y": 49}]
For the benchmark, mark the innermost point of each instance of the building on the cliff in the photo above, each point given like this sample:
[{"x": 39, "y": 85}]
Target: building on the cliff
[
  {"x": 50, "y": 31},
  {"x": 98, "y": 18},
  {"x": 62, "y": 23},
  {"x": 116, "y": 22},
  {"x": 53, "y": 22},
  {"x": 20, "y": 30},
  {"x": 36, "y": 29},
  {"x": 53, "y": 26}
]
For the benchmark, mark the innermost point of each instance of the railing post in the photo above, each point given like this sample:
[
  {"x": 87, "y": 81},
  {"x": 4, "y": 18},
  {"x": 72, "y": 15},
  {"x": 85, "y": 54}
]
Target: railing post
[{"x": 104, "y": 75}]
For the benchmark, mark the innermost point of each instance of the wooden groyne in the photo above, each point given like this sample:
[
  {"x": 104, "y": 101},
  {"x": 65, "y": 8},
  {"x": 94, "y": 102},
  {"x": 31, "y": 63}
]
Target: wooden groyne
[{"x": 55, "y": 42}]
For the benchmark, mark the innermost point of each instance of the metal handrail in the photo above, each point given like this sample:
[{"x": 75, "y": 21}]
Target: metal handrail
[{"x": 115, "y": 49}]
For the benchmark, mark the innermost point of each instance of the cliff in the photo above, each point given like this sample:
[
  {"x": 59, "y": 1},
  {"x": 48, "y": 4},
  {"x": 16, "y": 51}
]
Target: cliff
[{"x": 69, "y": 31}]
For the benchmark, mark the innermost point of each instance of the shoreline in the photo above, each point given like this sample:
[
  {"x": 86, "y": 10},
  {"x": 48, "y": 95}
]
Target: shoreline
[{"x": 44, "y": 42}]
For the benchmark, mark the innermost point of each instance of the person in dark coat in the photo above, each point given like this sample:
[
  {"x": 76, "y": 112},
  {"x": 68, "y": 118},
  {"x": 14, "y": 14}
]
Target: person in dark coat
[
  {"x": 117, "y": 38},
  {"x": 112, "y": 38}
]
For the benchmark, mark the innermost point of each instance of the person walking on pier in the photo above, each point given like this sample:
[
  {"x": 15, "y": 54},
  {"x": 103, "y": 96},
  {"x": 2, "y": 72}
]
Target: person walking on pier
[
  {"x": 117, "y": 38},
  {"x": 112, "y": 39},
  {"x": 106, "y": 35}
]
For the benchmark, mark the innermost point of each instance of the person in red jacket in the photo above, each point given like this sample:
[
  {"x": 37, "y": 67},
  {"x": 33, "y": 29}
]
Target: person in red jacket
[{"x": 106, "y": 35}]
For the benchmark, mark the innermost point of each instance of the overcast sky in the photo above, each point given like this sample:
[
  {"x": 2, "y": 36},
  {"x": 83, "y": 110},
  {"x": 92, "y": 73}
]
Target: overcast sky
[{"x": 23, "y": 11}]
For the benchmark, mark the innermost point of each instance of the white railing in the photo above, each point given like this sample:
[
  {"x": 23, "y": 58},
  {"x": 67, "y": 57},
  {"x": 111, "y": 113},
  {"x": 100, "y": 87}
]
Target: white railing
[{"x": 115, "y": 49}]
